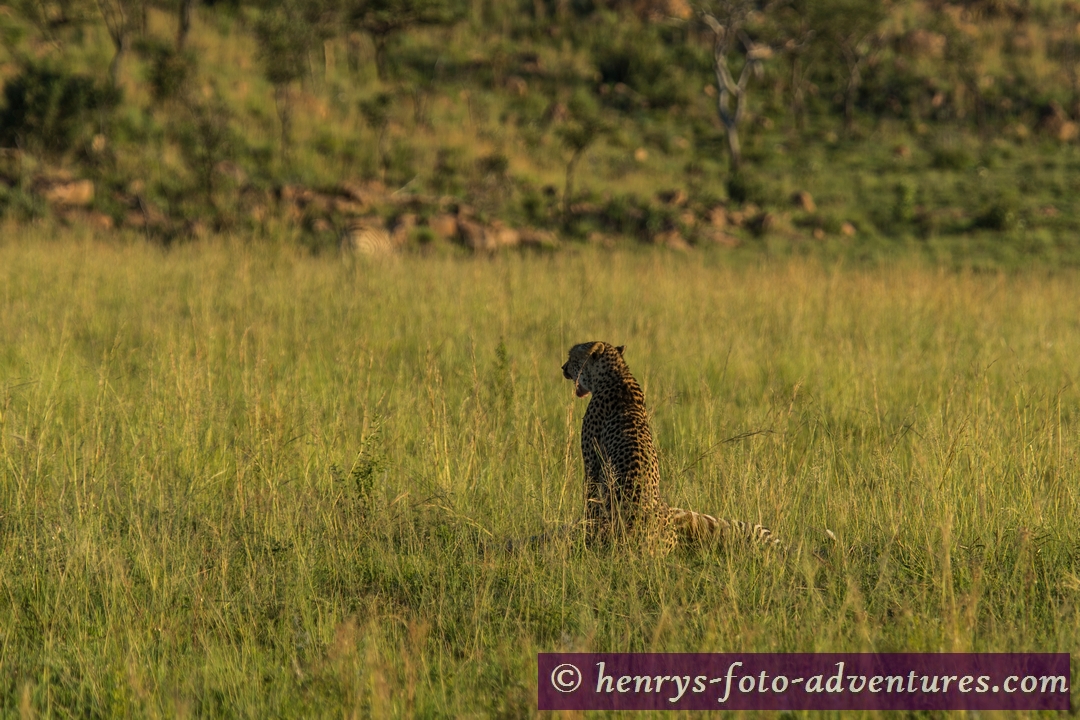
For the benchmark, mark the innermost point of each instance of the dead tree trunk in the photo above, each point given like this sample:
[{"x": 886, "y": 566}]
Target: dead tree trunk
[
  {"x": 184, "y": 24},
  {"x": 731, "y": 94},
  {"x": 118, "y": 24}
]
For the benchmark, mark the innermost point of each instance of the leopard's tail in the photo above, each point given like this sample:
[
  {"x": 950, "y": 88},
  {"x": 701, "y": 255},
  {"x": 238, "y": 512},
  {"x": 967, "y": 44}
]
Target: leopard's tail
[{"x": 700, "y": 528}]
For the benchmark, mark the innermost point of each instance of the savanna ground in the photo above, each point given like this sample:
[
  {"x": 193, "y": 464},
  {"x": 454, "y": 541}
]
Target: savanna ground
[{"x": 243, "y": 481}]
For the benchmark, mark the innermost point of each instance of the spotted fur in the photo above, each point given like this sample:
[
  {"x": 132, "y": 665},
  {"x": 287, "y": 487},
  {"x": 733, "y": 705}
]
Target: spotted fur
[{"x": 622, "y": 475}]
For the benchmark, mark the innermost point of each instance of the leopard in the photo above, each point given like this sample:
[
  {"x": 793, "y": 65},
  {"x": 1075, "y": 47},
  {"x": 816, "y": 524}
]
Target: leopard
[{"x": 622, "y": 473}]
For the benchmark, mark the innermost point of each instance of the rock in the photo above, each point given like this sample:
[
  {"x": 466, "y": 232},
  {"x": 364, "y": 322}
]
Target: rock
[
  {"x": 197, "y": 229},
  {"x": 517, "y": 85},
  {"x": 472, "y": 235},
  {"x": 144, "y": 214},
  {"x": 721, "y": 238},
  {"x": 847, "y": 230},
  {"x": 663, "y": 10},
  {"x": 364, "y": 193},
  {"x": 297, "y": 194},
  {"x": 762, "y": 223},
  {"x": 320, "y": 203},
  {"x": 924, "y": 43},
  {"x": 53, "y": 176},
  {"x": 73, "y": 193},
  {"x": 502, "y": 236},
  {"x": 804, "y": 201},
  {"x": 672, "y": 239},
  {"x": 258, "y": 213},
  {"x": 99, "y": 221},
  {"x": 232, "y": 171},
  {"x": 602, "y": 239},
  {"x": 444, "y": 225},
  {"x": 539, "y": 239},
  {"x": 347, "y": 206},
  {"x": 718, "y": 217},
  {"x": 403, "y": 227},
  {"x": 479, "y": 238},
  {"x": 556, "y": 113},
  {"x": 672, "y": 197},
  {"x": 585, "y": 208}
]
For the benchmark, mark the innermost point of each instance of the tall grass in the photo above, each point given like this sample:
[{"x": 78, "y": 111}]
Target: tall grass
[{"x": 241, "y": 481}]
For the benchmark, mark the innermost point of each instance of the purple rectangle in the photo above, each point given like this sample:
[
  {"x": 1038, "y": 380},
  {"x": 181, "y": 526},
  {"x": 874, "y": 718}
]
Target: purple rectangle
[{"x": 803, "y": 681}]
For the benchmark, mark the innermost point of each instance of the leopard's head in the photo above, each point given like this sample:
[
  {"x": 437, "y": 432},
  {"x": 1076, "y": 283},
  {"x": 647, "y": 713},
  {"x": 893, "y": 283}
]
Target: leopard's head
[{"x": 588, "y": 363}]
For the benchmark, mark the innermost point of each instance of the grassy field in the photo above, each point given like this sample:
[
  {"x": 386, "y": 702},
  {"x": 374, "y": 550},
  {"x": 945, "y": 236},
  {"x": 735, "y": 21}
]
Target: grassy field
[{"x": 242, "y": 481}]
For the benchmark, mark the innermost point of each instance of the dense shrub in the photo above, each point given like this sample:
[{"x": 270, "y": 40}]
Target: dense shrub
[
  {"x": 169, "y": 70},
  {"x": 48, "y": 110},
  {"x": 636, "y": 69}
]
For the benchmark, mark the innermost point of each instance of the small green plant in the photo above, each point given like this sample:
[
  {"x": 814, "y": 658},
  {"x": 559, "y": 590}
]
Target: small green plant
[{"x": 903, "y": 209}]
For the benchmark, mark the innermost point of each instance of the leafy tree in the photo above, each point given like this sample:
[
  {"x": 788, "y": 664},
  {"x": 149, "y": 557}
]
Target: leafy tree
[
  {"x": 583, "y": 127},
  {"x": 797, "y": 49},
  {"x": 170, "y": 70},
  {"x": 376, "y": 112},
  {"x": 205, "y": 141},
  {"x": 123, "y": 19},
  {"x": 384, "y": 19},
  {"x": 853, "y": 28},
  {"x": 284, "y": 37},
  {"x": 51, "y": 17}
]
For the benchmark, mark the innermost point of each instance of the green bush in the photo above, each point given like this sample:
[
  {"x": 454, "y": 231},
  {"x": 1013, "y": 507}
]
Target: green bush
[
  {"x": 17, "y": 203},
  {"x": 169, "y": 70},
  {"x": 999, "y": 214},
  {"x": 747, "y": 187},
  {"x": 636, "y": 70},
  {"x": 903, "y": 210},
  {"x": 49, "y": 110}
]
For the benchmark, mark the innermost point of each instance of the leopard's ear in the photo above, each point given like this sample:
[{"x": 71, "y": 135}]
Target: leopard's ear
[{"x": 619, "y": 349}]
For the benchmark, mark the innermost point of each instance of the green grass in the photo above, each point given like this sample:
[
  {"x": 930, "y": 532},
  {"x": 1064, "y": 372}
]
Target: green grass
[{"x": 238, "y": 480}]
